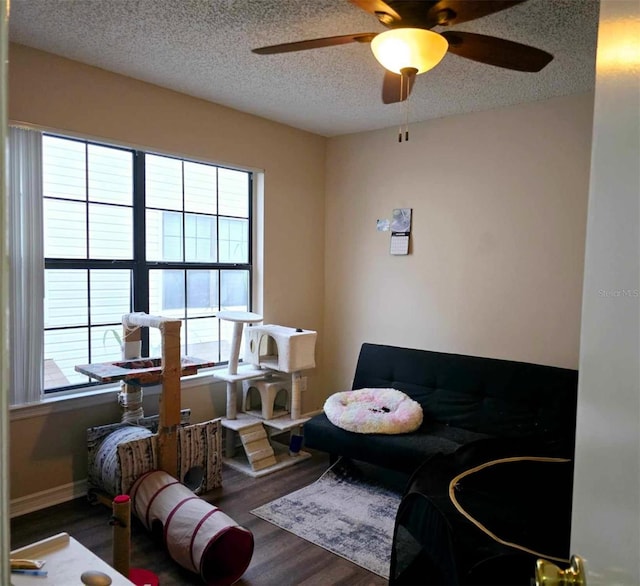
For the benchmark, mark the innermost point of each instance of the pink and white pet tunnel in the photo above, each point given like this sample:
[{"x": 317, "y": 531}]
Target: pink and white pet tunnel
[{"x": 198, "y": 535}]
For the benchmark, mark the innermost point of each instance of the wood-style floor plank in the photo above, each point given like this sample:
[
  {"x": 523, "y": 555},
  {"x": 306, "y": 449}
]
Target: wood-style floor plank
[{"x": 280, "y": 558}]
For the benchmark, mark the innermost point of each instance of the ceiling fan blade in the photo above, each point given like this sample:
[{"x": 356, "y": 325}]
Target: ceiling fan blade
[
  {"x": 449, "y": 12},
  {"x": 315, "y": 43},
  {"x": 381, "y": 10},
  {"x": 396, "y": 88},
  {"x": 498, "y": 52}
]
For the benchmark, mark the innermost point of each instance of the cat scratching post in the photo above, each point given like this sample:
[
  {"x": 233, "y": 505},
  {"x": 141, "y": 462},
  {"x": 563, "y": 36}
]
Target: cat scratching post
[
  {"x": 169, "y": 411},
  {"x": 170, "y": 397},
  {"x": 130, "y": 396},
  {"x": 233, "y": 374},
  {"x": 121, "y": 522},
  {"x": 238, "y": 318}
]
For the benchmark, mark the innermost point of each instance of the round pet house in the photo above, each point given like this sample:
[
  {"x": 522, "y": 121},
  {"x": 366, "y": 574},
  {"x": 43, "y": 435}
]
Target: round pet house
[{"x": 106, "y": 465}]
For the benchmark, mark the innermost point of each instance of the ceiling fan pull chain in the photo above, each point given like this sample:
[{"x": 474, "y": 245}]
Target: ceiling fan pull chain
[
  {"x": 400, "y": 126},
  {"x": 404, "y": 93},
  {"x": 402, "y": 78},
  {"x": 406, "y": 120}
]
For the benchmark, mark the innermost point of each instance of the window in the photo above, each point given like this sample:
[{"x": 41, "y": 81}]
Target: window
[{"x": 126, "y": 230}]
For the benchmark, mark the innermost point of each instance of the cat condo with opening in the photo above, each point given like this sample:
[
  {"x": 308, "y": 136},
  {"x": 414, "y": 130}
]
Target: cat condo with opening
[{"x": 272, "y": 383}]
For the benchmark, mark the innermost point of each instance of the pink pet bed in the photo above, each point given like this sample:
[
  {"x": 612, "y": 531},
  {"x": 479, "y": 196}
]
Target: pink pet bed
[{"x": 374, "y": 411}]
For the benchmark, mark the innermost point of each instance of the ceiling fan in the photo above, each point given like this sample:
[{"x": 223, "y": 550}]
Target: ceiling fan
[{"x": 410, "y": 22}]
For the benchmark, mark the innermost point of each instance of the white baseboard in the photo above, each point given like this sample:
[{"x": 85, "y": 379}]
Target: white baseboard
[{"x": 47, "y": 498}]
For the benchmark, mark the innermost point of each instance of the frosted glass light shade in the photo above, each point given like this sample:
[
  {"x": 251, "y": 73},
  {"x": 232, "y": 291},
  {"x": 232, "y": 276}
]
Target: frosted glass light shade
[{"x": 417, "y": 48}]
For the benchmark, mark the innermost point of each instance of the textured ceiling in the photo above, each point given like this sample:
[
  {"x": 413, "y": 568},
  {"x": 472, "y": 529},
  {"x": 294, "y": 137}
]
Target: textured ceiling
[{"x": 203, "y": 48}]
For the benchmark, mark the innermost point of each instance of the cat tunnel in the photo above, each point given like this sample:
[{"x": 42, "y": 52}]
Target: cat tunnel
[{"x": 197, "y": 535}]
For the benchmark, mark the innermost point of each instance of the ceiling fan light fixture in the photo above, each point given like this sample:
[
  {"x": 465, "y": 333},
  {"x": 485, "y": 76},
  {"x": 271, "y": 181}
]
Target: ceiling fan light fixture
[{"x": 413, "y": 48}]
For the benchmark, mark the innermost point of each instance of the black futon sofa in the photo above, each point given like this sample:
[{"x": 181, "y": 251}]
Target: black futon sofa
[
  {"x": 464, "y": 399},
  {"x": 477, "y": 413}
]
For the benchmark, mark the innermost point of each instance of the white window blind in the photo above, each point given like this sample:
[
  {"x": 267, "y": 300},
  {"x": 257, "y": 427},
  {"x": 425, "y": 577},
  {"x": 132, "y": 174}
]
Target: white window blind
[{"x": 26, "y": 266}]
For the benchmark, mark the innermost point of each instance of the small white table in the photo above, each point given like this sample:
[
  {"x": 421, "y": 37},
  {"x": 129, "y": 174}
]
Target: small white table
[{"x": 66, "y": 560}]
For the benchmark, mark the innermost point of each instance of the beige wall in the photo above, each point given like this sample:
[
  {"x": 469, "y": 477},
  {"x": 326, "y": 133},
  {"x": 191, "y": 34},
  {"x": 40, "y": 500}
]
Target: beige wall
[
  {"x": 499, "y": 204},
  {"x": 55, "y": 93},
  {"x": 52, "y": 92}
]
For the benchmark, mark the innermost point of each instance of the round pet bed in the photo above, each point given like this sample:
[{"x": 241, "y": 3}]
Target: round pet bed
[{"x": 374, "y": 411}]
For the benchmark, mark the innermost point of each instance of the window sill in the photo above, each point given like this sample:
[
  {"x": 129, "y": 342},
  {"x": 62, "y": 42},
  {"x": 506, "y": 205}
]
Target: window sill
[{"x": 85, "y": 398}]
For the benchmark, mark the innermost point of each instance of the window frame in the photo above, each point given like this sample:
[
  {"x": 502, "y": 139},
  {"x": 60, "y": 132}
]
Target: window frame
[{"x": 139, "y": 266}]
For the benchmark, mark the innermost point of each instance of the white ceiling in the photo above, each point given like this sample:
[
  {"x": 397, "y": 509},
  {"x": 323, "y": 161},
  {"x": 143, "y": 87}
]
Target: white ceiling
[{"x": 203, "y": 48}]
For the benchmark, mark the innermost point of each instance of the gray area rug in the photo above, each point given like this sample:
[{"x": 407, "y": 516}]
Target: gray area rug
[{"x": 346, "y": 511}]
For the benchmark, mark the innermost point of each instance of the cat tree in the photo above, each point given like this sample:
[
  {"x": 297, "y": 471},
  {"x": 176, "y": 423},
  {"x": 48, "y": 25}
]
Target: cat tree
[
  {"x": 130, "y": 459},
  {"x": 270, "y": 351},
  {"x": 119, "y": 453}
]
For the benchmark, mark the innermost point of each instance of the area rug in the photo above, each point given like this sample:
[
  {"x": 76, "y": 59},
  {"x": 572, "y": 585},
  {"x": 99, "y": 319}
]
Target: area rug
[{"x": 347, "y": 511}]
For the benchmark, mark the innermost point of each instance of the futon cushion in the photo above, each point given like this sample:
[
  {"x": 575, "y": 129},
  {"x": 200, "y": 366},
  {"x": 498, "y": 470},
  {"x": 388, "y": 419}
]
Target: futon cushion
[{"x": 403, "y": 452}]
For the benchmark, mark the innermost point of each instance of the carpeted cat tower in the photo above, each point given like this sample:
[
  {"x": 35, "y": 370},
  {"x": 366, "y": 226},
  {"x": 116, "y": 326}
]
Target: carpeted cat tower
[{"x": 146, "y": 465}]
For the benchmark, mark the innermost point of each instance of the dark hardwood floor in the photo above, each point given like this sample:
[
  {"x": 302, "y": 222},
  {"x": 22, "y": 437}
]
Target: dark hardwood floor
[{"x": 279, "y": 558}]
